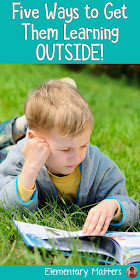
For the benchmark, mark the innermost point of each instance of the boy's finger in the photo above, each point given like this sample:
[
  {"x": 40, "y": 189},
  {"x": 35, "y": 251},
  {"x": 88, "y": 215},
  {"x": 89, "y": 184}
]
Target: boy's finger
[
  {"x": 99, "y": 225},
  {"x": 88, "y": 219},
  {"x": 105, "y": 226},
  {"x": 39, "y": 140},
  {"x": 90, "y": 225}
]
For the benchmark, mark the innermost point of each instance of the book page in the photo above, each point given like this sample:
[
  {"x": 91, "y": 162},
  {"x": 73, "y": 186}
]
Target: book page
[
  {"x": 41, "y": 236},
  {"x": 126, "y": 239},
  {"x": 44, "y": 232},
  {"x": 130, "y": 244}
]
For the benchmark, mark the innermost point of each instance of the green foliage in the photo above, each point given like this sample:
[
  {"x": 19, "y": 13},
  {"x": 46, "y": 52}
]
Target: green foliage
[
  {"x": 115, "y": 106},
  {"x": 130, "y": 72}
]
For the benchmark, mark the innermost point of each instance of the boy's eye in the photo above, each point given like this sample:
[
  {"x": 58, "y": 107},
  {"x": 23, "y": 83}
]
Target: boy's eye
[{"x": 85, "y": 146}]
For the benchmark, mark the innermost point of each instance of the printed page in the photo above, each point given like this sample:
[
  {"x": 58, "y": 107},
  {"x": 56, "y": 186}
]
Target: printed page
[
  {"x": 102, "y": 246},
  {"x": 126, "y": 239},
  {"x": 130, "y": 244},
  {"x": 36, "y": 235},
  {"x": 44, "y": 232}
]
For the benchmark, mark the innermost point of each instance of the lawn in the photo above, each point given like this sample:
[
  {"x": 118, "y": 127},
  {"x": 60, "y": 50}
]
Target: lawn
[{"x": 116, "y": 111}]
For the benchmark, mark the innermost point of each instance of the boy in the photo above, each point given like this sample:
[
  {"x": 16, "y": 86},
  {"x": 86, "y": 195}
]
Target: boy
[{"x": 56, "y": 159}]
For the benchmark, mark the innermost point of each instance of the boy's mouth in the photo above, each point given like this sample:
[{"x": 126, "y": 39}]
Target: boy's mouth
[{"x": 71, "y": 166}]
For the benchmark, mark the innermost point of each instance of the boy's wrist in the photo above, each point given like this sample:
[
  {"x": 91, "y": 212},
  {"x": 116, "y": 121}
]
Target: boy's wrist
[
  {"x": 25, "y": 194},
  {"x": 28, "y": 175},
  {"x": 31, "y": 166},
  {"x": 116, "y": 204}
]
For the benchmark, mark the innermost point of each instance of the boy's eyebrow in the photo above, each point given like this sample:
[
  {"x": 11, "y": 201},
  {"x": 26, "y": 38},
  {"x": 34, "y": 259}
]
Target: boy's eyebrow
[{"x": 67, "y": 147}]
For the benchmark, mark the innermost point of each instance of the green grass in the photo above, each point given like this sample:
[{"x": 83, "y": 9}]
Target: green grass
[{"x": 115, "y": 106}]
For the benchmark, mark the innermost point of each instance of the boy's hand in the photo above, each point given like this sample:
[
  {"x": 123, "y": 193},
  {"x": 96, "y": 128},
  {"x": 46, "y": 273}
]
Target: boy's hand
[
  {"x": 36, "y": 152},
  {"x": 99, "y": 217}
]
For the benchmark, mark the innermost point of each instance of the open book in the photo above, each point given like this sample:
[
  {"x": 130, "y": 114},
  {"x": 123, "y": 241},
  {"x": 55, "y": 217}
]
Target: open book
[{"x": 123, "y": 247}]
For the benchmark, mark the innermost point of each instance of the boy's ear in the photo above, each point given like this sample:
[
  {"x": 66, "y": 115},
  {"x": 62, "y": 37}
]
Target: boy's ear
[{"x": 31, "y": 134}]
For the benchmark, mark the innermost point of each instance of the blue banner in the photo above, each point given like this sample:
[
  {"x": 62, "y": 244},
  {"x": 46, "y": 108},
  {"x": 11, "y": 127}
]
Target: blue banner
[
  {"x": 66, "y": 272},
  {"x": 70, "y": 32}
]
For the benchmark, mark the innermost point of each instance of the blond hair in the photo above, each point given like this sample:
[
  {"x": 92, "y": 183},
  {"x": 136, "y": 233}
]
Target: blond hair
[{"x": 58, "y": 105}]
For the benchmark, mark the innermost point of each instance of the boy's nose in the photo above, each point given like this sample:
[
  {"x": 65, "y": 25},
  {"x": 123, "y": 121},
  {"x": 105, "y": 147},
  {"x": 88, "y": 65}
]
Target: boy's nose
[{"x": 75, "y": 157}]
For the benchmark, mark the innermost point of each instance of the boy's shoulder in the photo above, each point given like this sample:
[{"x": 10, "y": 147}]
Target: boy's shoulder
[
  {"x": 14, "y": 160},
  {"x": 97, "y": 157},
  {"x": 93, "y": 149},
  {"x": 20, "y": 144},
  {"x": 15, "y": 154},
  {"x": 94, "y": 152}
]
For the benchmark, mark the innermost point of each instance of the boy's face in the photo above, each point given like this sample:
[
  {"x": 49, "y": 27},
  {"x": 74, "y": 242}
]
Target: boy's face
[{"x": 66, "y": 153}]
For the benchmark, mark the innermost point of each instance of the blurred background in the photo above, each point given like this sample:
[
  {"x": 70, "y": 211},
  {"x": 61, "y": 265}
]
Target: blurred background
[{"x": 130, "y": 72}]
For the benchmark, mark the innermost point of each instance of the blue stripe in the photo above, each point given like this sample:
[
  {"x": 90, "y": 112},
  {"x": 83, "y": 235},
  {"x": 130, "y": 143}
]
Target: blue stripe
[
  {"x": 56, "y": 192},
  {"x": 77, "y": 201},
  {"x": 118, "y": 224},
  {"x": 33, "y": 197}
]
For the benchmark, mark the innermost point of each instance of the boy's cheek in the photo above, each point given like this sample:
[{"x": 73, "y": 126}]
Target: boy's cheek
[
  {"x": 83, "y": 156},
  {"x": 55, "y": 159}
]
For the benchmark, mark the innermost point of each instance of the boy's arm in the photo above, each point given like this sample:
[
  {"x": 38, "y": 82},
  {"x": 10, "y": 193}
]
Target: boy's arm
[
  {"x": 26, "y": 164},
  {"x": 110, "y": 185},
  {"x": 9, "y": 171},
  {"x": 24, "y": 194},
  {"x": 35, "y": 152}
]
